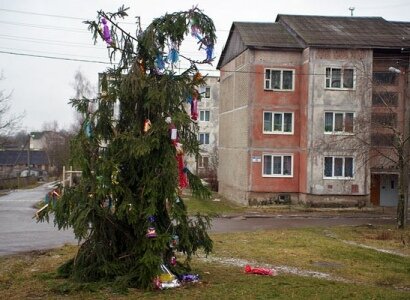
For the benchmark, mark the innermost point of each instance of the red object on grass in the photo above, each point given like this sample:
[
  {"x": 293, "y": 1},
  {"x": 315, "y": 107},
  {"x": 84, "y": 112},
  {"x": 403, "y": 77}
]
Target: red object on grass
[{"x": 260, "y": 271}]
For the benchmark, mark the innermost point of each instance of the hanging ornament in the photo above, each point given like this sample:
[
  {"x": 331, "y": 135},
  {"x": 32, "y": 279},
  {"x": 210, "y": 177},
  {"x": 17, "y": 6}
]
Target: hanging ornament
[
  {"x": 174, "y": 241},
  {"x": 179, "y": 149},
  {"x": 174, "y": 134},
  {"x": 151, "y": 233},
  {"x": 173, "y": 55},
  {"x": 147, "y": 125},
  {"x": 195, "y": 31},
  {"x": 88, "y": 130},
  {"x": 183, "y": 180},
  {"x": 159, "y": 62},
  {"x": 173, "y": 261},
  {"x": 209, "y": 52},
  {"x": 114, "y": 176},
  {"x": 194, "y": 109},
  {"x": 197, "y": 77},
  {"x": 106, "y": 32}
]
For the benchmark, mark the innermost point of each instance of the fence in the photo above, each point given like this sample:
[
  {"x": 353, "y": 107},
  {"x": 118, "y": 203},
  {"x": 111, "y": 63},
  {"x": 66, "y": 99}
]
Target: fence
[{"x": 16, "y": 182}]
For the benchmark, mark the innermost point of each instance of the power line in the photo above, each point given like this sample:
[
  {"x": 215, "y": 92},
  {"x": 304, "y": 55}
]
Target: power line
[
  {"x": 40, "y": 14},
  {"x": 45, "y": 27},
  {"x": 68, "y": 17},
  {"x": 46, "y": 41},
  {"x": 53, "y": 53},
  {"x": 55, "y": 57}
]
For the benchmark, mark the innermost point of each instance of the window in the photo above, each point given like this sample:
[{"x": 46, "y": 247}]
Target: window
[
  {"x": 204, "y": 138},
  {"x": 205, "y": 91},
  {"x": 385, "y": 78},
  {"x": 203, "y": 162},
  {"x": 338, "y": 167},
  {"x": 384, "y": 119},
  {"x": 338, "y": 122},
  {"x": 277, "y": 165},
  {"x": 337, "y": 78},
  {"x": 276, "y": 79},
  {"x": 277, "y": 122},
  {"x": 382, "y": 140},
  {"x": 204, "y": 115},
  {"x": 389, "y": 99}
]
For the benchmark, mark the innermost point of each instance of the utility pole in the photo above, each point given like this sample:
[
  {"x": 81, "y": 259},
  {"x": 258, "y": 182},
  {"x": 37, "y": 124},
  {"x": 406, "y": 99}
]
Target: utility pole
[{"x": 28, "y": 155}]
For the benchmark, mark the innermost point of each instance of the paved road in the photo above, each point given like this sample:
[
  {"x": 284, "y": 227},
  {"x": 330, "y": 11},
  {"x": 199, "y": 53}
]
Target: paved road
[{"x": 19, "y": 231}]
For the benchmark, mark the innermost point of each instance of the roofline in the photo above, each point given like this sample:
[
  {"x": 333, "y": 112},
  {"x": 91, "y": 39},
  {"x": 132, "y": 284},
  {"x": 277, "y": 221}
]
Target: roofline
[
  {"x": 218, "y": 66},
  {"x": 278, "y": 16},
  {"x": 263, "y": 48}
]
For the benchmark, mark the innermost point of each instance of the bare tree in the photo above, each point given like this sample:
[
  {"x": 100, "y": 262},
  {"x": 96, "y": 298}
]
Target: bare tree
[
  {"x": 380, "y": 136},
  {"x": 8, "y": 122},
  {"x": 83, "y": 89}
]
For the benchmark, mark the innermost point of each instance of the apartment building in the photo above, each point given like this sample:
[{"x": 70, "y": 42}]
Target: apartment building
[{"x": 294, "y": 99}]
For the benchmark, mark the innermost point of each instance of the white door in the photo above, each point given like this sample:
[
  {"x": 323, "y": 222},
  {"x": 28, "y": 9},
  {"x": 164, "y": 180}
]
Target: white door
[{"x": 388, "y": 190}]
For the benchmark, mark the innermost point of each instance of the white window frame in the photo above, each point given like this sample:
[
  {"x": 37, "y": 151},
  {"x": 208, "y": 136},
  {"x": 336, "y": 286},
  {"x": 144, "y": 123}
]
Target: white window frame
[
  {"x": 273, "y": 131},
  {"x": 328, "y": 79},
  {"x": 201, "y": 163},
  {"x": 343, "y": 176},
  {"x": 269, "y": 80},
  {"x": 204, "y": 134},
  {"x": 202, "y": 115},
  {"x": 334, "y": 113},
  {"x": 203, "y": 91},
  {"x": 273, "y": 155}
]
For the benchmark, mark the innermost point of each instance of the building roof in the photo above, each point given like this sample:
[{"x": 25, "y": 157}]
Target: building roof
[
  {"x": 19, "y": 157},
  {"x": 358, "y": 32},
  {"x": 299, "y": 32},
  {"x": 257, "y": 35},
  {"x": 267, "y": 35}
]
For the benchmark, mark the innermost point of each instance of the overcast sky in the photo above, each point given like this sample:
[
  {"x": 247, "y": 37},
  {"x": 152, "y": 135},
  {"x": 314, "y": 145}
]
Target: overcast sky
[{"x": 42, "y": 87}]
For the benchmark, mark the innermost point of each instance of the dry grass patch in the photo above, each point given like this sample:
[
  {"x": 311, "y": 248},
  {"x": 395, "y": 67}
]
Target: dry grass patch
[{"x": 371, "y": 275}]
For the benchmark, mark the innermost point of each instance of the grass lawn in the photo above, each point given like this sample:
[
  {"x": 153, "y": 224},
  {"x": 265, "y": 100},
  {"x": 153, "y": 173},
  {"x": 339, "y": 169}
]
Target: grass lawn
[
  {"x": 216, "y": 206},
  {"x": 369, "y": 274}
]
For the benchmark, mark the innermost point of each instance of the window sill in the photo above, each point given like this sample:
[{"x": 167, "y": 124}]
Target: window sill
[
  {"x": 278, "y": 132},
  {"x": 278, "y": 90},
  {"x": 338, "y": 178},
  {"x": 340, "y": 89},
  {"x": 338, "y": 133},
  {"x": 277, "y": 176}
]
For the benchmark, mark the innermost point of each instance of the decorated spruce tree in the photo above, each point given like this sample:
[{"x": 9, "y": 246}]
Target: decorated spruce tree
[{"x": 127, "y": 209}]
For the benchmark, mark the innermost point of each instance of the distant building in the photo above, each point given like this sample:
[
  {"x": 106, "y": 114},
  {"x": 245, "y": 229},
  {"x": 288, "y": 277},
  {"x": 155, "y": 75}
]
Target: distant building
[
  {"x": 13, "y": 162},
  {"x": 41, "y": 140},
  {"x": 208, "y": 127}
]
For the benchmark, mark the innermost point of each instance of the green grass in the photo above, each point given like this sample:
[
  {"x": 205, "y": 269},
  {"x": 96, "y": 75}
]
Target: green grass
[
  {"x": 371, "y": 275},
  {"x": 225, "y": 207},
  {"x": 211, "y": 207}
]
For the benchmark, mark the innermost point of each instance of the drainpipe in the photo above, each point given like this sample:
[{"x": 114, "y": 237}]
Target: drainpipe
[{"x": 312, "y": 109}]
